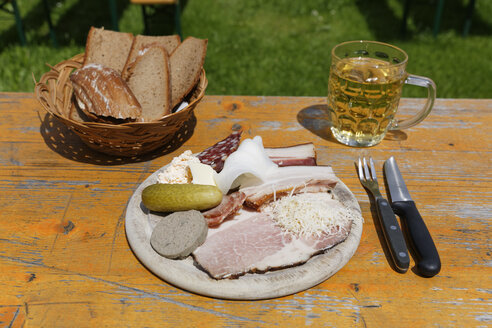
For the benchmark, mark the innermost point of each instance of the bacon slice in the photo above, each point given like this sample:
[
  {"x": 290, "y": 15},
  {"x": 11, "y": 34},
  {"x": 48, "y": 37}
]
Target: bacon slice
[
  {"x": 290, "y": 181},
  {"x": 216, "y": 155},
  {"x": 303, "y": 154},
  {"x": 229, "y": 206},
  {"x": 259, "y": 195}
]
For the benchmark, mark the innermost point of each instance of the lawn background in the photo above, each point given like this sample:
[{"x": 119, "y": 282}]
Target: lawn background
[{"x": 269, "y": 47}]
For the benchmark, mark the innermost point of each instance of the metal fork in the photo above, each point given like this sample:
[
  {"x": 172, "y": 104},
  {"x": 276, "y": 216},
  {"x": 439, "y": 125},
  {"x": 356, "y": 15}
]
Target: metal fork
[{"x": 391, "y": 229}]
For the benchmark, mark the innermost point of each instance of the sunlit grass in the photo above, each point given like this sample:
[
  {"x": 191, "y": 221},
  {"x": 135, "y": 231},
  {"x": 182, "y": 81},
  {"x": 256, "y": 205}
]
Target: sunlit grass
[{"x": 275, "y": 47}]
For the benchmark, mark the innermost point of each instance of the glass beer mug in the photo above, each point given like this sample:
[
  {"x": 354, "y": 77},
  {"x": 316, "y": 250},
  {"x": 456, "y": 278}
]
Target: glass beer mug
[{"x": 364, "y": 89}]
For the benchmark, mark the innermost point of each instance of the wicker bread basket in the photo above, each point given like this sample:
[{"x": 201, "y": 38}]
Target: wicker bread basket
[{"x": 54, "y": 92}]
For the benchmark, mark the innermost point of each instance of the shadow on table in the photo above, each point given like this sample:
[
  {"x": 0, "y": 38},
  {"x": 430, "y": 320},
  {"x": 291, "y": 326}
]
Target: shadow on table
[
  {"x": 396, "y": 135},
  {"x": 63, "y": 141},
  {"x": 315, "y": 118}
]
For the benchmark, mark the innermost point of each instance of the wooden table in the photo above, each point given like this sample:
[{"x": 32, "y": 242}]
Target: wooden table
[{"x": 65, "y": 260}]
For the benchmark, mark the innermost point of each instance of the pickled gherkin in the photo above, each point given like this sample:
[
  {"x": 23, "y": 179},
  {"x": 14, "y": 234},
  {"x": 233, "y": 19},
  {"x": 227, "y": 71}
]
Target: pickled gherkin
[{"x": 164, "y": 197}]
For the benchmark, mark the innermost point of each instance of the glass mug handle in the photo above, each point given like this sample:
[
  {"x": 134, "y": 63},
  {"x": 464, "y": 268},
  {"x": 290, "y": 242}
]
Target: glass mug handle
[{"x": 420, "y": 81}]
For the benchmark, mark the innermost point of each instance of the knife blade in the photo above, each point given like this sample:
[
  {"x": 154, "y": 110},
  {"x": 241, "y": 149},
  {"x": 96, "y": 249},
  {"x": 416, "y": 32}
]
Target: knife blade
[{"x": 426, "y": 255}]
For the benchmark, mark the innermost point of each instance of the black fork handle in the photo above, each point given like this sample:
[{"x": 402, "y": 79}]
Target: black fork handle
[{"x": 393, "y": 235}]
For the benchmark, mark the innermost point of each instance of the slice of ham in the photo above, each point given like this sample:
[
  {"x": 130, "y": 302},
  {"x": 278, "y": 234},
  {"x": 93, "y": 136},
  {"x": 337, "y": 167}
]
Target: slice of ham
[
  {"x": 254, "y": 243},
  {"x": 303, "y": 154},
  {"x": 234, "y": 250},
  {"x": 229, "y": 205}
]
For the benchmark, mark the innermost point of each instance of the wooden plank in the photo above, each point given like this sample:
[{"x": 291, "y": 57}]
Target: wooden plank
[{"x": 65, "y": 260}]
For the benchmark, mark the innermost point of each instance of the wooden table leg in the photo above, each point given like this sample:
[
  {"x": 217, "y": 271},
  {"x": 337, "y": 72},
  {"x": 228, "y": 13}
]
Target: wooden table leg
[
  {"x": 113, "y": 10},
  {"x": 438, "y": 17},
  {"x": 468, "y": 20},
  {"x": 47, "y": 12},
  {"x": 18, "y": 23}
]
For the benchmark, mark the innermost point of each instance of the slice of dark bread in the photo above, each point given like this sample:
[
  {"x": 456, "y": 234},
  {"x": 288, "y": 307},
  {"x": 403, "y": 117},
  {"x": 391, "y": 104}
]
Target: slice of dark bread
[
  {"x": 149, "y": 79},
  {"x": 107, "y": 48},
  {"x": 141, "y": 42},
  {"x": 186, "y": 65}
]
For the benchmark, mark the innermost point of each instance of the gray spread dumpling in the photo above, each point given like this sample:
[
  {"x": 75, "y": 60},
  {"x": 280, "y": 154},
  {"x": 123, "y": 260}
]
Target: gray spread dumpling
[{"x": 179, "y": 234}]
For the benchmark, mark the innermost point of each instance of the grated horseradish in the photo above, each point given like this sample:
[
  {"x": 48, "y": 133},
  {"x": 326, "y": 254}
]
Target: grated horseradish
[{"x": 309, "y": 213}]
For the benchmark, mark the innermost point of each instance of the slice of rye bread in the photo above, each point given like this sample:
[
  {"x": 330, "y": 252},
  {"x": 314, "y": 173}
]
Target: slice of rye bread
[
  {"x": 142, "y": 42},
  {"x": 149, "y": 79},
  {"x": 186, "y": 65},
  {"x": 107, "y": 48}
]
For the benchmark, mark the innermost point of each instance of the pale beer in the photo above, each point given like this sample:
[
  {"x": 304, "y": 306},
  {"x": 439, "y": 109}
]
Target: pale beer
[
  {"x": 363, "y": 96},
  {"x": 364, "y": 89}
]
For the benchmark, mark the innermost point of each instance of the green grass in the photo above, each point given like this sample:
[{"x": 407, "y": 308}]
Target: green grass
[{"x": 276, "y": 47}]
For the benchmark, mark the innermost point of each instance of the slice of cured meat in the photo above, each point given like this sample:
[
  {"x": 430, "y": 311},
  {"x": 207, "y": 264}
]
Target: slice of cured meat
[
  {"x": 229, "y": 205},
  {"x": 303, "y": 154},
  {"x": 218, "y": 153},
  {"x": 289, "y": 180},
  {"x": 215, "y": 155},
  {"x": 236, "y": 249},
  {"x": 259, "y": 195},
  {"x": 255, "y": 243}
]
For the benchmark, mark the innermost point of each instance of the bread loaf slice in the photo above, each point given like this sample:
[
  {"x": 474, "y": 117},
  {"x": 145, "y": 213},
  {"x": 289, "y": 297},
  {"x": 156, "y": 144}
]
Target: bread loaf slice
[
  {"x": 107, "y": 48},
  {"x": 186, "y": 65},
  {"x": 143, "y": 42},
  {"x": 149, "y": 79},
  {"x": 101, "y": 93}
]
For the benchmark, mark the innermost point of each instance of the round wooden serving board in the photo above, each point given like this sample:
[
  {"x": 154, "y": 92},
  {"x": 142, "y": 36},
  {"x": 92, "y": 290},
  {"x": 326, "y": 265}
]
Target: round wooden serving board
[{"x": 184, "y": 274}]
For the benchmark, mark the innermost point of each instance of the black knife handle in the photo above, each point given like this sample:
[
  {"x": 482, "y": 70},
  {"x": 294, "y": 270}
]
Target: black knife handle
[
  {"x": 428, "y": 261},
  {"x": 393, "y": 235}
]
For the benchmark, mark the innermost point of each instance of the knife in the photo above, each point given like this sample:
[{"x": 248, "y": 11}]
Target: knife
[{"x": 426, "y": 255}]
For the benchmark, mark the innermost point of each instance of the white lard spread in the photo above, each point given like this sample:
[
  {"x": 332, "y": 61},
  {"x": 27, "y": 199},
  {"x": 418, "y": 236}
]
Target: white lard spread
[{"x": 177, "y": 171}]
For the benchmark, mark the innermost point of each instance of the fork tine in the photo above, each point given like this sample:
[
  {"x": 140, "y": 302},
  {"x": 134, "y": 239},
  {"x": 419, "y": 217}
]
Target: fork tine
[
  {"x": 366, "y": 169},
  {"x": 373, "y": 169},
  {"x": 361, "y": 173}
]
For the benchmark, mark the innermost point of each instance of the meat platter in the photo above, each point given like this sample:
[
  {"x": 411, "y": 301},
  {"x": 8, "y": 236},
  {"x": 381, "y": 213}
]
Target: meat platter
[{"x": 185, "y": 274}]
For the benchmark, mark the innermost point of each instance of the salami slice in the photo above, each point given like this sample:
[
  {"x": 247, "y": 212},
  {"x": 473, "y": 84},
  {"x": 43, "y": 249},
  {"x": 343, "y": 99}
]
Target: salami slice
[{"x": 217, "y": 154}]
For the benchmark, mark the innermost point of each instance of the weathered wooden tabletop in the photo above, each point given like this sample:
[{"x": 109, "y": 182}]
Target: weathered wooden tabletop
[{"x": 65, "y": 260}]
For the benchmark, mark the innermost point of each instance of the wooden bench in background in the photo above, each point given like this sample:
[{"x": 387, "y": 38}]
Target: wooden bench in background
[
  {"x": 438, "y": 16},
  {"x": 47, "y": 10},
  {"x": 146, "y": 3},
  {"x": 11, "y": 7}
]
